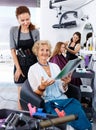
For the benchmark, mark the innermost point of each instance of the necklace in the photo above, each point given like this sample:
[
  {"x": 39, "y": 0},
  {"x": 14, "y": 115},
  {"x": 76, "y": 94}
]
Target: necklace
[
  {"x": 43, "y": 64},
  {"x": 46, "y": 68}
]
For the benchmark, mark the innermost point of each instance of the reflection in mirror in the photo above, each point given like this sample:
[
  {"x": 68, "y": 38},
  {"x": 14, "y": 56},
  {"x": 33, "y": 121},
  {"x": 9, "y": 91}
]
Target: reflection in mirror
[
  {"x": 87, "y": 44},
  {"x": 87, "y": 37}
]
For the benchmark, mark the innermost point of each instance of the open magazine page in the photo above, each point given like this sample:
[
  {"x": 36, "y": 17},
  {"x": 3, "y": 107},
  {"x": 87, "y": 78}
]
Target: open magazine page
[{"x": 69, "y": 67}]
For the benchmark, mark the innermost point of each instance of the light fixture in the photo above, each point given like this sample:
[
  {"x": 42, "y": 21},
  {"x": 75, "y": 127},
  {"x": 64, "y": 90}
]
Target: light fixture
[
  {"x": 65, "y": 15},
  {"x": 53, "y": 2},
  {"x": 67, "y": 24}
]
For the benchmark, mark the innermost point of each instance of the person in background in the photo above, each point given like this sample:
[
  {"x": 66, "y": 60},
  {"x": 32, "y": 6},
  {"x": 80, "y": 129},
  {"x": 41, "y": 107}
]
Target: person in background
[
  {"x": 59, "y": 57},
  {"x": 41, "y": 77},
  {"x": 73, "y": 47},
  {"x": 87, "y": 57},
  {"x": 89, "y": 35},
  {"x": 22, "y": 38}
]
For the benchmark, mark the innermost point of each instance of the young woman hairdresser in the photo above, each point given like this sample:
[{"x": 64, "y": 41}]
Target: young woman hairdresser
[{"x": 22, "y": 39}]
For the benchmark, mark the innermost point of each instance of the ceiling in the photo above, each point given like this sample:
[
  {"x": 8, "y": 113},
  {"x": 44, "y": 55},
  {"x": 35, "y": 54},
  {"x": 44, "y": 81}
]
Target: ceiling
[{"x": 30, "y": 3}]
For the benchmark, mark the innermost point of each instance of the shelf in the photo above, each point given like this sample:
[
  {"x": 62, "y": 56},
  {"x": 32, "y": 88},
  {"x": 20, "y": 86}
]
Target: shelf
[
  {"x": 87, "y": 74},
  {"x": 82, "y": 51},
  {"x": 87, "y": 94}
]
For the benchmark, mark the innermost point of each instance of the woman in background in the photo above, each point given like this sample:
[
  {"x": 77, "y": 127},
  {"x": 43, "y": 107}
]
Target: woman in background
[
  {"x": 87, "y": 57},
  {"x": 59, "y": 57},
  {"x": 22, "y": 38},
  {"x": 73, "y": 47}
]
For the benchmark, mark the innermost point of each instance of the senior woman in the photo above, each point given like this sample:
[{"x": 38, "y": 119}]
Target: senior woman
[{"x": 41, "y": 77}]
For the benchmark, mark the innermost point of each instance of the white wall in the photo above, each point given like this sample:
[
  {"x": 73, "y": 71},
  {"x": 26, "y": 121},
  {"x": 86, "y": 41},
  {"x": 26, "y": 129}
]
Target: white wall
[
  {"x": 48, "y": 18},
  {"x": 8, "y": 19},
  {"x": 90, "y": 9}
]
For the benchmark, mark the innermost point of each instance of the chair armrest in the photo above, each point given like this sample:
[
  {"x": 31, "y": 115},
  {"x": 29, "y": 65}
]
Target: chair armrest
[{"x": 73, "y": 92}]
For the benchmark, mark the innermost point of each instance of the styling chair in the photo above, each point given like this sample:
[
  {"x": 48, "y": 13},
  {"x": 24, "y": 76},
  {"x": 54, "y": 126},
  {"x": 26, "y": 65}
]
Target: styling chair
[{"x": 28, "y": 96}]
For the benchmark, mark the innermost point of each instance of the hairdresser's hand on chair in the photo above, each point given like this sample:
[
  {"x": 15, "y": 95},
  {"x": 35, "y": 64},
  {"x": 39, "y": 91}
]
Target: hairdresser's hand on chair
[{"x": 18, "y": 73}]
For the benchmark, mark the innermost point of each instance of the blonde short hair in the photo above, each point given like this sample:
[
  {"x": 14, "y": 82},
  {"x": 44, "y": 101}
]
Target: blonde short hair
[{"x": 37, "y": 45}]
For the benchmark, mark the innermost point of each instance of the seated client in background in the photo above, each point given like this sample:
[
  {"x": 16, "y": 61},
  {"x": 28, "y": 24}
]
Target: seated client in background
[{"x": 59, "y": 57}]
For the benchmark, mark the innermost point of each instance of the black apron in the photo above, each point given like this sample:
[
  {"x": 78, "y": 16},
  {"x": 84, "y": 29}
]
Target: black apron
[
  {"x": 69, "y": 55},
  {"x": 26, "y": 47}
]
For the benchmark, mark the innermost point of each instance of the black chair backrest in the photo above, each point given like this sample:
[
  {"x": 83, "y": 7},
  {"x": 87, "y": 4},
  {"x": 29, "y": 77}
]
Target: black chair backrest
[{"x": 28, "y": 96}]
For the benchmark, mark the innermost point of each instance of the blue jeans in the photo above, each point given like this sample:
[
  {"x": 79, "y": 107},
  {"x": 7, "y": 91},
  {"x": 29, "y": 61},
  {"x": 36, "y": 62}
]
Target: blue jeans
[{"x": 70, "y": 106}]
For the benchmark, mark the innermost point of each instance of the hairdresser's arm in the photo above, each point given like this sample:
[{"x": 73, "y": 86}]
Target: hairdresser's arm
[
  {"x": 16, "y": 63},
  {"x": 75, "y": 51}
]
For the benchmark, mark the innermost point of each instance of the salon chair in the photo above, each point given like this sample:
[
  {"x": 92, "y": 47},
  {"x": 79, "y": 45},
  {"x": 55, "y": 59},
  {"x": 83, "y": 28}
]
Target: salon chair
[{"x": 28, "y": 96}]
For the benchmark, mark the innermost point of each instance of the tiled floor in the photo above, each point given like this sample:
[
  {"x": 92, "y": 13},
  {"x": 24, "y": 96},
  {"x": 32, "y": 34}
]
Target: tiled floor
[
  {"x": 8, "y": 97},
  {"x": 8, "y": 91}
]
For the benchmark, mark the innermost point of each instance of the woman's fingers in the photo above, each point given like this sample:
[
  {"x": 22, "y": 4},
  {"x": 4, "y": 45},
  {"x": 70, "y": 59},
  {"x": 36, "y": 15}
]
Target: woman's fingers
[
  {"x": 23, "y": 75},
  {"x": 50, "y": 81},
  {"x": 17, "y": 75},
  {"x": 47, "y": 82}
]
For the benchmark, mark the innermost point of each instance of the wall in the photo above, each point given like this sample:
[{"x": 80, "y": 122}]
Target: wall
[
  {"x": 48, "y": 18},
  {"x": 7, "y": 20},
  {"x": 90, "y": 10}
]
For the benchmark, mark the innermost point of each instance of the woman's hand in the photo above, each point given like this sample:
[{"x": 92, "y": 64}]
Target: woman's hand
[
  {"x": 46, "y": 83},
  {"x": 65, "y": 87},
  {"x": 66, "y": 44},
  {"x": 67, "y": 79},
  {"x": 17, "y": 74}
]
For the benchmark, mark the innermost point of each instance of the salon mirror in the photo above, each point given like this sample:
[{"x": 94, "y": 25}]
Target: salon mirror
[{"x": 87, "y": 37}]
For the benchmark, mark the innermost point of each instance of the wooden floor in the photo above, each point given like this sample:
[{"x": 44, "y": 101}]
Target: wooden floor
[{"x": 8, "y": 90}]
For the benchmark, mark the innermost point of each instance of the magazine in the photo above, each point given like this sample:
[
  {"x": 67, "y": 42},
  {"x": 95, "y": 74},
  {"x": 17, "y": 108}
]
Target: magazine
[{"x": 69, "y": 67}]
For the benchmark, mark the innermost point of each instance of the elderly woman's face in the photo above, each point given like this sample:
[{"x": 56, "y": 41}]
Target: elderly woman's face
[{"x": 43, "y": 52}]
